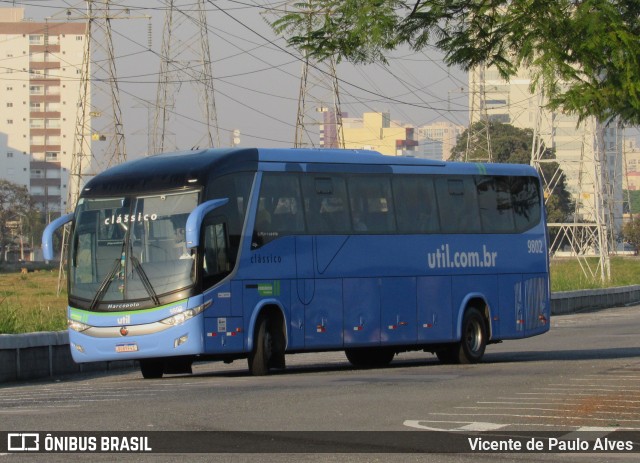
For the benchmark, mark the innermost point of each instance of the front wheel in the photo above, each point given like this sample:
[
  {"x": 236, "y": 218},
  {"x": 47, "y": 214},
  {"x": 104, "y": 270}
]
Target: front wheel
[
  {"x": 152, "y": 368},
  {"x": 262, "y": 350}
]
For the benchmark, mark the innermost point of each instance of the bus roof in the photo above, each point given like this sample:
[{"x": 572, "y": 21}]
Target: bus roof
[{"x": 184, "y": 168}]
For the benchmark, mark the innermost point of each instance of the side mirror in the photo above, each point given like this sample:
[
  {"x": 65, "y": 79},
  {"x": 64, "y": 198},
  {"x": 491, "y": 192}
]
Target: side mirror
[
  {"x": 194, "y": 221},
  {"x": 47, "y": 235}
]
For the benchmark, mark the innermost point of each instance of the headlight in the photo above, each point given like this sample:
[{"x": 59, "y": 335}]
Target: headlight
[
  {"x": 77, "y": 326},
  {"x": 180, "y": 318}
]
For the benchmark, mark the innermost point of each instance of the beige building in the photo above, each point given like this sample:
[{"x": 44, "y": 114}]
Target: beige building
[
  {"x": 513, "y": 103},
  {"x": 39, "y": 91},
  {"x": 632, "y": 157},
  {"x": 376, "y": 131}
]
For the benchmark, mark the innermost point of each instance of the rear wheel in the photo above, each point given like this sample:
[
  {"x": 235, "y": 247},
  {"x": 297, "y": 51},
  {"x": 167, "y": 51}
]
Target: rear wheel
[
  {"x": 473, "y": 343},
  {"x": 370, "y": 357}
]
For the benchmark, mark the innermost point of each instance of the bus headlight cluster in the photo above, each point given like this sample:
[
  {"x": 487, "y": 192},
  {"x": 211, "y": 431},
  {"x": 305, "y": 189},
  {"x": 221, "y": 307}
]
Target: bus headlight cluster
[
  {"x": 77, "y": 326},
  {"x": 180, "y": 318}
]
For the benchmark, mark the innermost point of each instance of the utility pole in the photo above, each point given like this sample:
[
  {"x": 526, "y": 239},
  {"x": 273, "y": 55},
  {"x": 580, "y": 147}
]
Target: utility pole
[{"x": 185, "y": 60}]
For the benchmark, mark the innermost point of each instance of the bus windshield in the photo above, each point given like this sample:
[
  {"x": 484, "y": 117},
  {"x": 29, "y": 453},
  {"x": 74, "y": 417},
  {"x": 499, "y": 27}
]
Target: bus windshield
[{"x": 130, "y": 249}]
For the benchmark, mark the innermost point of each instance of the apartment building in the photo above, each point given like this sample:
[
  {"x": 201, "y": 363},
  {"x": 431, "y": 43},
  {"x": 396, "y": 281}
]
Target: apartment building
[{"x": 40, "y": 66}]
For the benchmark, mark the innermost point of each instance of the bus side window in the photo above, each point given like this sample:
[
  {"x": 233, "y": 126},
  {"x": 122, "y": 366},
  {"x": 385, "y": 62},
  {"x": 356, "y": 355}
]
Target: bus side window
[
  {"x": 326, "y": 204},
  {"x": 494, "y": 199},
  {"x": 416, "y": 206},
  {"x": 458, "y": 205},
  {"x": 525, "y": 196},
  {"x": 371, "y": 204},
  {"x": 217, "y": 259},
  {"x": 279, "y": 208}
]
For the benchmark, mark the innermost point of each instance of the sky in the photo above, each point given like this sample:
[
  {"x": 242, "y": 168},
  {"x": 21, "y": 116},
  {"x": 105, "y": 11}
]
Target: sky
[{"x": 256, "y": 75}]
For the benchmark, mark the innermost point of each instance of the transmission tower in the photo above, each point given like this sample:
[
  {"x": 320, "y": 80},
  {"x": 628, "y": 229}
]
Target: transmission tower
[
  {"x": 185, "y": 58},
  {"x": 319, "y": 117},
  {"x": 319, "y": 106},
  {"x": 99, "y": 134},
  {"x": 478, "y": 135},
  {"x": 594, "y": 218}
]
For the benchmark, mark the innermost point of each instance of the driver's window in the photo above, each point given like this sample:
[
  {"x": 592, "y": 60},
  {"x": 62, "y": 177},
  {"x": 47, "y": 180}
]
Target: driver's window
[{"x": 217, "y": 259}]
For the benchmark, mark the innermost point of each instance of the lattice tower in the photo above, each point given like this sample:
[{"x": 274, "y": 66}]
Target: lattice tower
[
  {"x": 478, "y": 135},
  {"x": 99, "y": 140},
  {"x": 185, "y": 59}
]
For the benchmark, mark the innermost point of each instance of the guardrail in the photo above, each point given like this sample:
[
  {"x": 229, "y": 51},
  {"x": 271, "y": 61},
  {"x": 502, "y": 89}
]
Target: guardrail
[{"x": 41, "y": 355}]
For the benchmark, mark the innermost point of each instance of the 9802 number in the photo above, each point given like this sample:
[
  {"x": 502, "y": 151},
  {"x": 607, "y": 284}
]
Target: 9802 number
[{"x": 535, "y": 246}]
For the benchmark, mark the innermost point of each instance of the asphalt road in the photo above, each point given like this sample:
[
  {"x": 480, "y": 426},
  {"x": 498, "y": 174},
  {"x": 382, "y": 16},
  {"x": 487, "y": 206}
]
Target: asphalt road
[{"x": 584, "y": 375}]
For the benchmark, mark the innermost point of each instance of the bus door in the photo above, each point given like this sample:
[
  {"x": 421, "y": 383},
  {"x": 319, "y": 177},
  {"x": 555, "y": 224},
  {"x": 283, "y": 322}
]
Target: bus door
[
  {"x": 303, "y": 289},
  {"x": 305, "y": 282},
  {"x": 323, "y": 303},
  {"x": 328, "y": 225}
]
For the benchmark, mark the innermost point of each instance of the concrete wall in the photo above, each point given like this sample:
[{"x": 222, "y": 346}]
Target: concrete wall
[
  {"x": 43, "y": 355},
  {"x": 564, "y": 302}
]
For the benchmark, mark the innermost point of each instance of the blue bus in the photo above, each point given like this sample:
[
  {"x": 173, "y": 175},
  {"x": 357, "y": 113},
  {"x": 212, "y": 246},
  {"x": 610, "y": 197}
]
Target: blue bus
[{"x": 225, "y": 254}]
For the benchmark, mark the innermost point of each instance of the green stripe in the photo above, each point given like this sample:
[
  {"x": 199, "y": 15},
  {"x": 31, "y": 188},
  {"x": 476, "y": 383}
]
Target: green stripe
[
  {"x": 481, "y": 168},
  {"x": 75, "y": 312}
]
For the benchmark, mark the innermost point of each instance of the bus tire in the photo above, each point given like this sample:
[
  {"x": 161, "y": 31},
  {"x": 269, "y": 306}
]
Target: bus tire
[
  {"x": 152, "y": 368},
  {"x": 473, "y": 343},
  {"x": 370, "y": 357},
  {"x": 260, "y": 356}
]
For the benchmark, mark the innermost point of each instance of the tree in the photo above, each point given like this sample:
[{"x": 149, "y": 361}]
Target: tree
[
  {"x": 633, "y": 204},
  {"x": 16, "y": 206},
  {"x": 513, "y": 145},
  {"x": 509, "y": 144},
  {"x": 584, "y": 55},
  {"x": 631, "y": 233}
]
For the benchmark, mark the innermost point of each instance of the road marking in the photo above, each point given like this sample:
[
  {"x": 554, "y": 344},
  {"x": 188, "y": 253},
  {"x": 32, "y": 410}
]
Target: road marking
[
  {"x": 561, "y": 399},
  {"x": 609, "y": 377},
  {"x": 569, "y": 394},
  {"x": 537, "y": 416},
  {"x": 601, "y": 387},
  {"x": 544, "y": 410},
  {"x": 466, "y": 425}
]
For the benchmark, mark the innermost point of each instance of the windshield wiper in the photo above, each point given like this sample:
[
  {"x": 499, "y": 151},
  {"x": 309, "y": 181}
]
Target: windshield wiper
[
  {"x": 105, "y": 285},
  {"x": 145, "y": 279}
]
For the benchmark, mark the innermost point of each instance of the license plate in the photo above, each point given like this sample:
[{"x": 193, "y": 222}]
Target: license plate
[{"x": 132, "y": 347}]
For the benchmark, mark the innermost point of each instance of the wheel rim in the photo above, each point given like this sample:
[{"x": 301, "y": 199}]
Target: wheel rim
[{"x": 474, "y": 336}]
